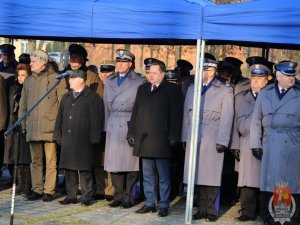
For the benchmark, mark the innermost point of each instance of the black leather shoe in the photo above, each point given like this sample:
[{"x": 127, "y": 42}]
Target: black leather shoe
[
  {"x": 126, "y": 205},
  {"x": 68, "y": 201},
  {"x": 199, "y": 216},
  {"x": 48, "y": 198},
  {"x": 98, "y": 197},
  {"x": 163, "y": 212},
  {"x": 212, "y": 218},
  {"x": 115, "y": 204},
  {"x": 146, "y": 209},
  {"x": 34, "y": 196},
  {"x": 87, "y": 202},
  {"x": 244, "y": 218},
  {"x": 109, "y": 198}
]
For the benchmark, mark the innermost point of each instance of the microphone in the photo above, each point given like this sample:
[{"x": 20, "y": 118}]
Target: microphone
[{"x": 63, "y": 75}]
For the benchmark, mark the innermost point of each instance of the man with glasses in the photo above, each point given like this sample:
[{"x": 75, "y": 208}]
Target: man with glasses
[
  {"x": 275, "y": 137},
  {"x": 216, "y": 117}
]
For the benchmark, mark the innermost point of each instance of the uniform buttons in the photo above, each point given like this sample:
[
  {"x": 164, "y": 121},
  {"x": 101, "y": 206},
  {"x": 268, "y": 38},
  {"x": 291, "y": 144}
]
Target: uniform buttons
[
  {"x": 70, "y": 117},
  {"x": 69, "y": 131},
  {"x": 73, "y": 104}
]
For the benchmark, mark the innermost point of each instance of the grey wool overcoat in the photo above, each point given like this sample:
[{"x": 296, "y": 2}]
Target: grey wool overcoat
[
  {"x": 118, "y": 104},
  {"x": 275, "y": 127},
  {"x": 216, "y": 118}
]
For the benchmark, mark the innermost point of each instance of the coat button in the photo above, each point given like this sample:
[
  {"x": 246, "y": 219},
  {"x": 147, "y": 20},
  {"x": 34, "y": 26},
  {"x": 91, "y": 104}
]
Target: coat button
[
  {"x": 70, "y": 117},
  {"x": 69, "y": 131},
  {"x": 73, "y": 104}
]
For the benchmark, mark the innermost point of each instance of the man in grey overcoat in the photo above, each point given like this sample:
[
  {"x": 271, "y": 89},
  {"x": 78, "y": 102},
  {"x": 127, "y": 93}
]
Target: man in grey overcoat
[
  {"x": 216, "y": 118},
  {"x": 119, "y": 96},
  {"x": 249, "y": 165},
  {"x": 275, "y": 136},
  {"x": 78, "y": 130}
]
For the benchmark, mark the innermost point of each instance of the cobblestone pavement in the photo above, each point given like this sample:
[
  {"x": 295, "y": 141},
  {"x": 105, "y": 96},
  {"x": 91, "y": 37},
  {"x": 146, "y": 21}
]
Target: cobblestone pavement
[
  {"x": 38, "y": 212},
  {"x": 52, "y": 213}
]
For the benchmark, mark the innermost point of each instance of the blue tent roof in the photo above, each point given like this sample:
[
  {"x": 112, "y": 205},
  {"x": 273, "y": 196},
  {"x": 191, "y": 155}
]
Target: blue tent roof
[
  {"x": 147, "y": 19},
  {"x": 102, "y": 19},
  {"x": 271, "y": 21}
]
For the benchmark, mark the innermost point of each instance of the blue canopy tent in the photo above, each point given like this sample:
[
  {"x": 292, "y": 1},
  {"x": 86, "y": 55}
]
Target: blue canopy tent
[
  {"x": 106, "y": 21},
  {"x": 261, "y": 23},
  {"x": 46, "y": 19}
]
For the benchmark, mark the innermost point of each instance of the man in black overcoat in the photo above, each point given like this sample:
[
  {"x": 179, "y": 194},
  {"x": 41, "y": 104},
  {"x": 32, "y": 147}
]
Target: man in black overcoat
[
  {"x": 154, "y": 129},
  {"x": 78, "y": 130}
]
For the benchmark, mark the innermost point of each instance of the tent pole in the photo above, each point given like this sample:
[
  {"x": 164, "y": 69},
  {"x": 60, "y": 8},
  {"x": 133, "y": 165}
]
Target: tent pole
[
  {"x": 265, "y": 53},
  {"x": 195, "y": 129}
]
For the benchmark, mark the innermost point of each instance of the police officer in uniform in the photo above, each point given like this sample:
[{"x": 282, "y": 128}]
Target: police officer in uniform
[
  {"x": 275, "y": 136},
  {"x": 107, "y": 68},
  {"x": 216, "y": 117},
  {"x": 172, "y": 76},
  {"x": 225, "y": 72},
  {"x": 8, "y": 69},
  {"x": 119, "y": 96},
  {"x": 183, "y": 69},
  {"x": 8, "y": 64},
  {"x": 237, "y": 75},
  {"x": 177, "y": 163},
  {"x": 148, "y": 62},
  {"x": 103, "y": 183},
  {"x": 249, "y": 165}
]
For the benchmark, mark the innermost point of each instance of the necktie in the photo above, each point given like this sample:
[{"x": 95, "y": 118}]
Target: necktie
[
  {"x": 204, "y": 87},
  {"x": 282, "y": 91},
  {"x": 77, "y": 93},
  {"x": 154, "y": 87}
]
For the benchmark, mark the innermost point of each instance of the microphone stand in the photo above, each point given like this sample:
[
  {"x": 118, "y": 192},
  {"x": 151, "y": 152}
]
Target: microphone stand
[{"x": 16, "y": 127}]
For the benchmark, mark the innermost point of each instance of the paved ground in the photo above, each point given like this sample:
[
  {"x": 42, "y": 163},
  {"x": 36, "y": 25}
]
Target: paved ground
[{"x": 53, "y": 213}]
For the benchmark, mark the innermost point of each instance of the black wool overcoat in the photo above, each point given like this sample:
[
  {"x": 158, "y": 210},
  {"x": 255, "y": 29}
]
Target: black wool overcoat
[
  {"x": 78, "y": 128},
  {"x": 156, "y": 119}
]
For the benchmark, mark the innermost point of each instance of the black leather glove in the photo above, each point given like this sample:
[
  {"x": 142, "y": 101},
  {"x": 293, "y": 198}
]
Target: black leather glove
[
  {"x": 130, "y": 141},
  {"x": 220, "y": 148},
  {"x": 236, "y": 154},
  {"x": 173, "y": 143},
  {"x": 257, "y": 152}
]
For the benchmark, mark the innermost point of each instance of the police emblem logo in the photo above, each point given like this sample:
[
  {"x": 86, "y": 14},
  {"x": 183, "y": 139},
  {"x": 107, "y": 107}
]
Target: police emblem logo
[
  {"x": 256, "y": 66},
  {"x": 282, "y": 205},
  {"x": 121, "y": 53}
]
